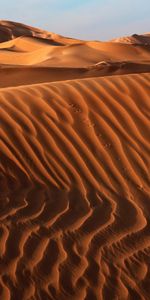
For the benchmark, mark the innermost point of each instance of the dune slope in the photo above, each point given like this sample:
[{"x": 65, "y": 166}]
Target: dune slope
[
  {"x": 29, "y": 56},
  {"x": 74, "y": 170}
]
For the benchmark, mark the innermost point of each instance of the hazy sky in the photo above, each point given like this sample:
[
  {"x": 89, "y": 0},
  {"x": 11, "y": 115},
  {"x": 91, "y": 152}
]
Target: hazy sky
[{"x": 85, "y": 19}]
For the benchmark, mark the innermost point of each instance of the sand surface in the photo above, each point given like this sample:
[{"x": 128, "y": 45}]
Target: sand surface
[{"x": 74, "y": 166}]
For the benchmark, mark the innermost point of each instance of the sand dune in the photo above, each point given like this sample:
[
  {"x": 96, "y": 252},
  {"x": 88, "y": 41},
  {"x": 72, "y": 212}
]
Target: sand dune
[
  {"x": 74, "y": 167},
  {"x": 141, "y": 39}
]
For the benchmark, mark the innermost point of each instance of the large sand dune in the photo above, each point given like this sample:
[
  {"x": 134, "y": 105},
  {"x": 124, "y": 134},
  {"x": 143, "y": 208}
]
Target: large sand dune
[{"x": 74, "y": 167}]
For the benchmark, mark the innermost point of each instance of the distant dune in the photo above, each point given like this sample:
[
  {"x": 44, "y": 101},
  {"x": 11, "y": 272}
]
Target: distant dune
[
  {"x": 74, "y": 166},
  {"x": 143, "y": 39}
]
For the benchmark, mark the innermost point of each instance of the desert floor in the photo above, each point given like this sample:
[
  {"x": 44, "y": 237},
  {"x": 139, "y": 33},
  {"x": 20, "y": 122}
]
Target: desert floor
[{"x": 74, "y": 166}]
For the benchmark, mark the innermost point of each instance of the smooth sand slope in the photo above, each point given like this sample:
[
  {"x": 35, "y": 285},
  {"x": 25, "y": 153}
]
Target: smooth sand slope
[{"x": 74, "y": 167}]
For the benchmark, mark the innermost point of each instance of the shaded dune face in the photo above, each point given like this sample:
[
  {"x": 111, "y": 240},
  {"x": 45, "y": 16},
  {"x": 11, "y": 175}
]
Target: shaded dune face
[
  {"x": 14, "y": 29},
  {"x": 74, "y": 182}
]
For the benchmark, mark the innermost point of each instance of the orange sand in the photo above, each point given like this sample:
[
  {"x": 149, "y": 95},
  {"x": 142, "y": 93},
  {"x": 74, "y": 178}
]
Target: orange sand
[{"x": 74, "y": 167}]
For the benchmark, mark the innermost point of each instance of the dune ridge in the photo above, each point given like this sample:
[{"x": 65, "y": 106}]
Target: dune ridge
[
  {"x": 74, "y": 176},
  {"x": 138, "y": 39}
]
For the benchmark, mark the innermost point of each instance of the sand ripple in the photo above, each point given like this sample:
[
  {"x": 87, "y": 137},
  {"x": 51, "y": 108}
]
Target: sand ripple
[{"x": 74, "y": 190}]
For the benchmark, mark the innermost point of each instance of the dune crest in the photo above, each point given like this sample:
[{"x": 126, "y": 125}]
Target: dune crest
[
  {"x": 136, "y": 39},
  {"x": 74, "y": 167}
]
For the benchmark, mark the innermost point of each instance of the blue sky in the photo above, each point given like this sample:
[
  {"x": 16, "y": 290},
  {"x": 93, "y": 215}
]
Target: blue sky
[{"x": 85, "y": 19}]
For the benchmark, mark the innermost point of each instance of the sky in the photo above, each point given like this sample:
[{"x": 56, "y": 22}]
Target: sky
[{"x": 83, "y": 19}]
